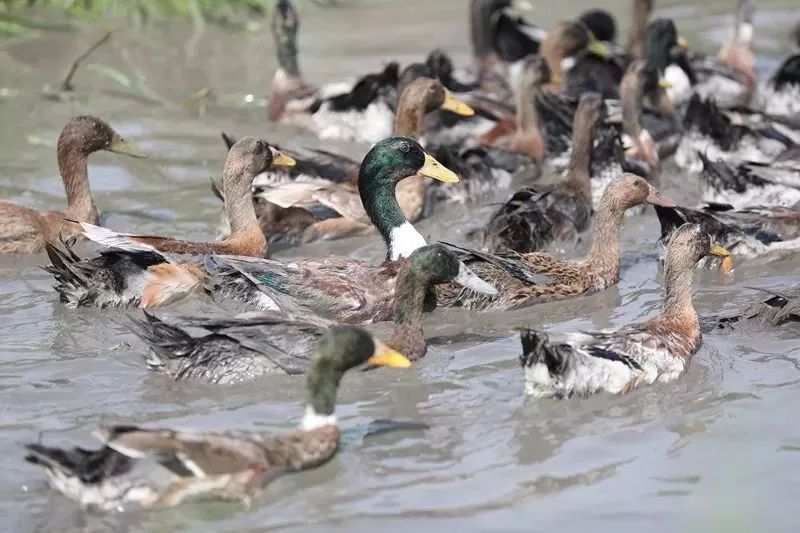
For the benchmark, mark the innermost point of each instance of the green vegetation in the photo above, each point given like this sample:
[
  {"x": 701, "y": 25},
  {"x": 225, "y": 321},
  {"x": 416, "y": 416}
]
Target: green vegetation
[{"x": 236, "y": 12}]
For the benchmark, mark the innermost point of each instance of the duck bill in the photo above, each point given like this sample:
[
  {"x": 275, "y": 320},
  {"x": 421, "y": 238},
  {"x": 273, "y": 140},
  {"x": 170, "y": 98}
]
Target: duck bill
[
  {"x": 598, "y": 48},
  {"x": 386, "y": 356},
  {"x": 119, "y": 145},
  {"x": 664, "y": 83},
  {"x": 435, "y": 170},
  {"x": 683, "y": 43},
  {"x": 719, "y": 251},
  {"x": 454, "y": 105},
  {"x": 279, "y": 159},
  {"x": 469, "y": 279},
  {"x": 656, "y": 198}
]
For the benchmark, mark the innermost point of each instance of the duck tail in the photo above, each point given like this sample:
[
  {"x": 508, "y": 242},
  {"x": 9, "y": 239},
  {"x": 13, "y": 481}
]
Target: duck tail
[
  {"x": 72, "y": 284},
  {"x": 670, "y": 218},
  {"x": 88, "y": 466},
  {"x": 229, "y": 140},
  {"x": 166, "y": 342},
  {"x": 537, "y": 349}
]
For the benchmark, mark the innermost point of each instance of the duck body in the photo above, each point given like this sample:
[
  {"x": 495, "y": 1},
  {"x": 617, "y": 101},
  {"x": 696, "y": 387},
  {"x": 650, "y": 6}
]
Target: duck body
[
  {"x": 355, "y": 111},
  {"x": 345, "y": 290},
  {"x": 537, "y": 277},
  {"x": 247, "y": 347},
  {"x": 747, "y": 233},
  {"x": 713, "y": 133},
  {"x": 743, "y": 183},
  {"x": 781, "y": 94},
  {"x": 160, "y": 467},
  {"x": 780, "y": 307},
  {"x": 617, "y": 362},
  {"x": 536, "y": 216}
]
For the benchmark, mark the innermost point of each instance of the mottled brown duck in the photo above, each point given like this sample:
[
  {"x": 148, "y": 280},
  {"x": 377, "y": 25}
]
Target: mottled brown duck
[
  {"x": 24, "y": 230},
  {"x": 527, "y": 279},
  {"x": 537, "y": 215},
  {"x": 617, "y": 362}
]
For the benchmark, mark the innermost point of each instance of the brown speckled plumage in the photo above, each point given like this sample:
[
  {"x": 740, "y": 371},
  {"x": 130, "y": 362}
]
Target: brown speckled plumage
[{"x": 525, "y": 279}]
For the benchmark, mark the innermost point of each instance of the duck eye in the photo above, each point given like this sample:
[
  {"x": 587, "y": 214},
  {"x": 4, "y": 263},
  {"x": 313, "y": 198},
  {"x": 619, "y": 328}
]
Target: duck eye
[{"x": 405, "y": 147}]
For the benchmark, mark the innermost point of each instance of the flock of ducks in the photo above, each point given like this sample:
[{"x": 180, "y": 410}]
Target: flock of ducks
[{"x": 600, "y": 117}]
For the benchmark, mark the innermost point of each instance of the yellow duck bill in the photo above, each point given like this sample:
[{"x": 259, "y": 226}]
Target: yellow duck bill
[
  {"x": 386, "y": 356},
  {"x": 435, "y": 170},
  {"x": 454, "y": 105},
  {"x": 279, "y": 159}
]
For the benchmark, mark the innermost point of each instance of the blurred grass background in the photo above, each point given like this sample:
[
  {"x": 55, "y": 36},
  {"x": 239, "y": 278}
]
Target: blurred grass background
[{"x": 19, "y": 16}]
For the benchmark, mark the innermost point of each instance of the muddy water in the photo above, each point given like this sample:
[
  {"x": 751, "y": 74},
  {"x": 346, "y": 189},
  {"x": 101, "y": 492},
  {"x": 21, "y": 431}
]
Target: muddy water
[{"x": 716, "y": 451}]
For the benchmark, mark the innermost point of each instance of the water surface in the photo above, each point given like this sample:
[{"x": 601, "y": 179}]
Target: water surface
[{"x": 715, "y": 451}]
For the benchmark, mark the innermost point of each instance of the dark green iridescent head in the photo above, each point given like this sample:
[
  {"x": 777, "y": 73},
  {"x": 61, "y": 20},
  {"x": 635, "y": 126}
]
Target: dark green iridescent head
[
  {"x": 389, "y": 161},
  {"x": 660, "y": 38}
]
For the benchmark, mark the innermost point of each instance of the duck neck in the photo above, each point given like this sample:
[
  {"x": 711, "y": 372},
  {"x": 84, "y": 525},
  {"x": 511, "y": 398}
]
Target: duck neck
[
  {"x": 380, "y": 202},
  {"x": 579, "y": 168},
  {"x": 528, "y": 137},
  {"x": 553, "y": 54},
  {"x": 74, "y": 169},
  {"x": 640, "y": 14},
  {"x": 481, "y": 33},
  {"x": 239, "y": 207},
  {"x": 284, "y": 31},
  {"x": 321, "y": 387},
  {"x": 410, "y": 292},
  {"x": 632, "y": 96},
  {"x": 603, "y": 256},
  {"x": 409, "y": 117},
  {"x": 678, "y": 292}
]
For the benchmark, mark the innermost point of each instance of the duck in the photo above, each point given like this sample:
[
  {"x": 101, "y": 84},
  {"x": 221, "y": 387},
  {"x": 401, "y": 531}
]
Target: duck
[
  {"x": 325, "y": 184},
  {"x": 779, "y": 308},
  {"x": 346, "y": 290},
  {"x": 537, "y": 277},
  {"x": 750, "y": 183},
  {"x": 357, "y": 111},
  {"x": 151, "y": 271},
  {"x": 729, "y": 78},
  {"x": 617, "y": 362},
  {"x": 650, "y": 137},
  {"x": 535, "y": 216},
  {"x": 252, "y": 345},
  {"x": 747, "y": 233},
  {"x": 717, "y": 134},
  {"x": 26, "y": 231},
  {"x": 151, "y": 467},
  {"x": 508, "y": 154},
  {"x": 781, "y": 94}
]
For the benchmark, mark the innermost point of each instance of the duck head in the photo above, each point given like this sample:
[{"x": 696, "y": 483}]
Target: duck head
[
  {"x": 86, "y": 134},
  {"x": 420, "y": 97},
  {"x": 566, "y": 39},
  {"x": 338, "y": 350},
  {"x": 388, "y": 162},
  {"x": 630, "y": 190},
  {"x": 689, "y": 244}
]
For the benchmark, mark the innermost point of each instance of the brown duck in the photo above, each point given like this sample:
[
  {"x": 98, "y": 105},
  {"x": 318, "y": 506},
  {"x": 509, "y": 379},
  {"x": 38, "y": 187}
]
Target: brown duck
[
  {"x": 519, "y": 277},
  {"x": 658, "y": 350},
  {"x": 24, "y": 230},
  {"x": 148, "y": 270}
]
